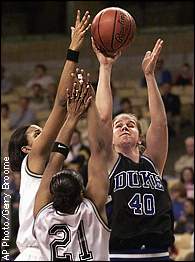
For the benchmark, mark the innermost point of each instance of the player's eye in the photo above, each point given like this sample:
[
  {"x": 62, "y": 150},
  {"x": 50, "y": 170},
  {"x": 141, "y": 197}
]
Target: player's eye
[{"x": 37, "y": 133}]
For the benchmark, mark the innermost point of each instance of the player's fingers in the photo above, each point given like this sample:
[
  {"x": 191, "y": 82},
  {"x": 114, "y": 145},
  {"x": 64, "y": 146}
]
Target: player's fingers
[
  {"x": 117, "y": 54},
  {"x": 78, "y": 18},
  {"x": 148, "y": 53},
  {"x": 94, "y": 46},
  {"x": 87, "y": 103},
  {"x": 68, "y": 96},
  {"x": 156, "y": 45},
  {"x": 77, "y": 71},
  {"x": 73, "y": 75},
  {"x": 72, "y": 31},
  {"x": 85, "y": 91},
  {"x": 79, "y": 85},
  {"x": 84, "y": 31},
  {"x": 85, "y": 24},
  {"x": 74, "y": 90},
  {"x": 83, "y": 73},
  {"x": 84, "y": 18},
  {"x": 158, "y": 50}
]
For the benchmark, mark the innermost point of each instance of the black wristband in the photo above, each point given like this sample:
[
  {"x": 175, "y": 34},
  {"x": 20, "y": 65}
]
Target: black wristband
[
  {"x": 60, "y": 148},
  {"x": 72, "y": 55}
]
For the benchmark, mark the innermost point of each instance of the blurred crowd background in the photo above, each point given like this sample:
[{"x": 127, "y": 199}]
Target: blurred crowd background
[{"x": 35, "y": 39}]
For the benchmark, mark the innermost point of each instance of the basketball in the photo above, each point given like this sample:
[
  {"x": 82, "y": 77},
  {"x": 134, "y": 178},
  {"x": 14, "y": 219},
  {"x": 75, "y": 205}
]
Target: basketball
[{"x": 113, "y": 29}]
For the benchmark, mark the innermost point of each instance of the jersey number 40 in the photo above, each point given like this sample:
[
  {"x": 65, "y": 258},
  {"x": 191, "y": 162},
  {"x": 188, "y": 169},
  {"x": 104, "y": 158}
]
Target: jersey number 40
[{"x": 142, "y": 205}]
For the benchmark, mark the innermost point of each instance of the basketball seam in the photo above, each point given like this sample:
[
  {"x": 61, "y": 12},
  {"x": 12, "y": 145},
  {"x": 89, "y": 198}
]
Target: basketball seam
[
  {"x": 113, "y": 33},
  {"x": 105, "y": 49}
]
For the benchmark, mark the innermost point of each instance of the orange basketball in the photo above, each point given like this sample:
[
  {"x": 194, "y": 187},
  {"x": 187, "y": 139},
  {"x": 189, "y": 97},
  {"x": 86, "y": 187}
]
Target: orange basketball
[{"x": 113, "y": 29}]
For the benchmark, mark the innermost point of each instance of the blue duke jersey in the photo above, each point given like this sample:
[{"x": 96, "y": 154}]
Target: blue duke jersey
[{"x": 139, "y": 210}]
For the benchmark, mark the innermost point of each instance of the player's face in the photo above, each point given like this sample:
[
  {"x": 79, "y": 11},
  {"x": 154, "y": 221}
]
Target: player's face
[
  {"x": 32, "y": 133},
  {"x": 125, "y": 131}
]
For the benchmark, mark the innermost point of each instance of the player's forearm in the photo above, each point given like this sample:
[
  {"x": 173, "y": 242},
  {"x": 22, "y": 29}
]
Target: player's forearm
[
  {"x": 56, "y": 159},
  {"x": 104, "y": 101},
  {"x": 65, "y": 83},
  {"x": 67, "y": 130},
  {"x": 95, "y": 129},
  {"x": 156, "y": 105}
]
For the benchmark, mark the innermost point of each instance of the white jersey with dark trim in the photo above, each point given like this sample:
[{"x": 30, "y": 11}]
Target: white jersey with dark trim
[
  {"x": 82, "y": 236},
  {"x": 29, "y": 185}
]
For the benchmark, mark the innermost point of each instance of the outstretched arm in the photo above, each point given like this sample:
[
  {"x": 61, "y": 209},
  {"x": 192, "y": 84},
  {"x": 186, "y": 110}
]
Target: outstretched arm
[
  {"x": 104, "y": 100},
  {"x": 41, "y": 147},
  {"x": 157, "y": 134},
  {"x": 97, "y": 186},
  {"x": 76, "y": 106}
]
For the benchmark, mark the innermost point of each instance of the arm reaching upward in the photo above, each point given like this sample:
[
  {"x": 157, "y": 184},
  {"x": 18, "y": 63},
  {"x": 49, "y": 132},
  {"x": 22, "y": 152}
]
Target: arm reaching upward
[
  {"x": 41, "y": 147},
  {"x": 104, "y": 100},
  {"x": 97, "y": 186},
  {"x": 76, "y": 106},
  {"x": 157, "y": 134}
]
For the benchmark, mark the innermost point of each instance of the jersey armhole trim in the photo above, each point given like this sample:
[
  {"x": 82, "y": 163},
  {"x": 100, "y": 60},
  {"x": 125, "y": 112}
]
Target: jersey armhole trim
[
  {"x": 43, "y": 208},
  {"x": 152, "y": 163},
  {"x": 30, "y": 173},
  {"x": 98, "y": 216},
  {"x": 115, "y": 166}
]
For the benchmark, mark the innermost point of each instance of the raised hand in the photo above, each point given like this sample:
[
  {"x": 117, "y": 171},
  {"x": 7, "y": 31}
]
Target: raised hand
[
  {"x": 102, "y": 58},
  {"x": 78, "y": 99},
  {"x": 84, "y": 77},
  {"x": 150, "y": 58},
  {"x": 79, "y": 30}
]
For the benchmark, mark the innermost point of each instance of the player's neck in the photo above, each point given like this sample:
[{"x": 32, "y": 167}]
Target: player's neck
[{"x": 132, "y": 153}]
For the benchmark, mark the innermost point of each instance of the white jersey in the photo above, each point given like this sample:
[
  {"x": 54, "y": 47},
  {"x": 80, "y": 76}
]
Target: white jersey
[
  {"x": 28, "y": 188},
  {"x": 76, "y": 237}
]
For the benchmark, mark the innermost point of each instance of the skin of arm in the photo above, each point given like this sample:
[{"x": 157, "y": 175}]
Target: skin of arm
[
  {"x": 104, "y": 93},
  {"x": 157, "y": 134},
  {"x": 98, "y": 183},
  {"x": 76, "y": 106},
  {"x": 41, "y": 147}
]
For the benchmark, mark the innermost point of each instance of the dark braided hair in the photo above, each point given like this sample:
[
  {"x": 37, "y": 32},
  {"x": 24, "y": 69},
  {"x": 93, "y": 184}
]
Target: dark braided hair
[{"x": 66, "y": 187}]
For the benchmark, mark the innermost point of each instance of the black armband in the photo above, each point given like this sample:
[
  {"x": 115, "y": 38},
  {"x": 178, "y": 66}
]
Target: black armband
[
  {"x": 72, "y": 55},
  {"x": 60, "y": 148}
]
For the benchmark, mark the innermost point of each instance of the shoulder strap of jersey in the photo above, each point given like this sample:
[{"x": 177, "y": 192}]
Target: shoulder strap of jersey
[
  {"x": 27, "y": 170},
  {"x": 98, "y": 215}
]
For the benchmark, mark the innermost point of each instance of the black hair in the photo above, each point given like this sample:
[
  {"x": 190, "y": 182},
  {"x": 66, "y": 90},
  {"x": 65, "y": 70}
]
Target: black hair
[
  {"x": 17, "y": 141},
  {"x": 66, "y": 187}
]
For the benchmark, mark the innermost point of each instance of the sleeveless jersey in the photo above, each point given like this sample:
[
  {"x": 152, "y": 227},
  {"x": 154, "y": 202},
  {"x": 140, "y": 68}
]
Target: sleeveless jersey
[
  {"x": 82, "y": 236},
  {"x": 139, "y": 210},
  {"x": 29, "y": 185}
]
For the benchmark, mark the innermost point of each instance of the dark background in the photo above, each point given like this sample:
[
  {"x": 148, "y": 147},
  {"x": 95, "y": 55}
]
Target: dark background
[{"x": 54, "y": 17}]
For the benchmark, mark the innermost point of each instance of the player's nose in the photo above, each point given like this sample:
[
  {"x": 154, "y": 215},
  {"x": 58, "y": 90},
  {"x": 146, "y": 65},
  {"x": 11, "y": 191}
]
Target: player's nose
[{"x": 124, "y": 127}]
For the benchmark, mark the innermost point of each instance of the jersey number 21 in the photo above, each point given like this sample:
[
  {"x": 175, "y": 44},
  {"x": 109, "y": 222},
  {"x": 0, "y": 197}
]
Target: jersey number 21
[{"x": 63, "y": 242}]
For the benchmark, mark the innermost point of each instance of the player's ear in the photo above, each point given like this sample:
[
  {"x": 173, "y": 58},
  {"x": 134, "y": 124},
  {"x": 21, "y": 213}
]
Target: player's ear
[{"x": 26, "y": 149}]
